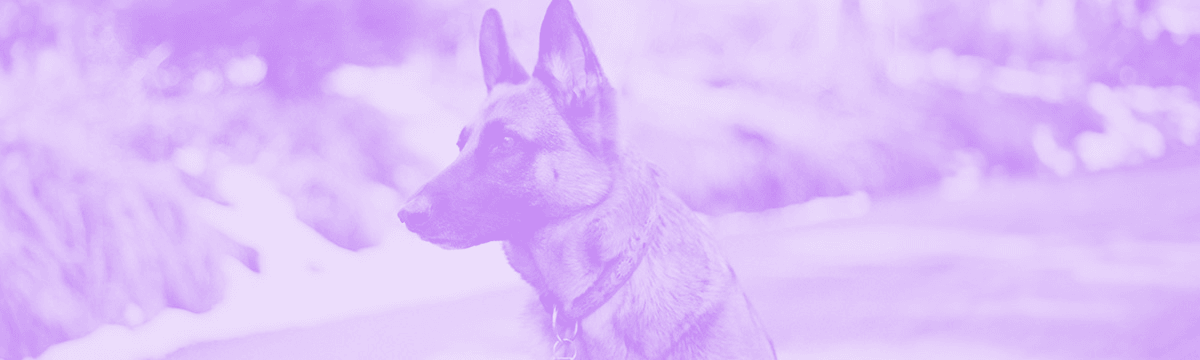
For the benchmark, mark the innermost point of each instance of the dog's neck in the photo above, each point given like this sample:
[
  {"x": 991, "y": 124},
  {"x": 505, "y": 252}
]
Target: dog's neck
[
  {"x": 678, "y": 264},
  {"x": 577, "y": 263}
]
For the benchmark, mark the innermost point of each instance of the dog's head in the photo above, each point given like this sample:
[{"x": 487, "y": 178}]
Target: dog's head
[{"x": 543, "y": 146}]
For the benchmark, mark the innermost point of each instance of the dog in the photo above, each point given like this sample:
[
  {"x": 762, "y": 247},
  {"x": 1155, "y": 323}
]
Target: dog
[{"x": 623, "y": 269}]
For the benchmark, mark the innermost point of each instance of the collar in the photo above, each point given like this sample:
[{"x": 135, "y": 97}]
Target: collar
[{"x": 616, "y": 273}]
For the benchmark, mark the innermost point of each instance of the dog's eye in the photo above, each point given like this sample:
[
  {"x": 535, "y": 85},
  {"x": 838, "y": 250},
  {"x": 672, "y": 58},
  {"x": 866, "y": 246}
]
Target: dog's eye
[
  {"x": 497, "y": 140},
  {"x": 505, "y": 144},
  {"x": 462, "y": 138}
]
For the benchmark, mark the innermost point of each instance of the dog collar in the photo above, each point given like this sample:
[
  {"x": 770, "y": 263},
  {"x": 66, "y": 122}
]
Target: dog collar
[
  {"x": 616, "y": 273},
  {"x": 565, "y": 323}
]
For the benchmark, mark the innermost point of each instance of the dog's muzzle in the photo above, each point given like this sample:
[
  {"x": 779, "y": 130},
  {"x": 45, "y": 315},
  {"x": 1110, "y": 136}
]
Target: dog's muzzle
[{"x": 415, "y": 213}]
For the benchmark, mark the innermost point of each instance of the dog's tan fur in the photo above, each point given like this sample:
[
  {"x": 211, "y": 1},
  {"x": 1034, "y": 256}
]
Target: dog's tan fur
[{"x": 542, "y": 170}]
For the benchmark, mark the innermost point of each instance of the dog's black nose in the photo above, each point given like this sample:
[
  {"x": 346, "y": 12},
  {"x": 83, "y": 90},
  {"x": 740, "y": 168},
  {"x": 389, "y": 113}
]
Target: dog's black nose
[{"x": 416, "y": 212}]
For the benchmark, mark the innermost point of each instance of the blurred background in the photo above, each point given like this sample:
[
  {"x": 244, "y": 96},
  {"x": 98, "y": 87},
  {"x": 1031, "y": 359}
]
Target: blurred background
[{"x": 894, "y": 179}]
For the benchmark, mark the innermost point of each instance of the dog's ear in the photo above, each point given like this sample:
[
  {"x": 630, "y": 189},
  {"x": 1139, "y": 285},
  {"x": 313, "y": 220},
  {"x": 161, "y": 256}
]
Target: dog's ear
[
  {"x": 569, "y": 68},
  {"x": 499, "y": 65}
]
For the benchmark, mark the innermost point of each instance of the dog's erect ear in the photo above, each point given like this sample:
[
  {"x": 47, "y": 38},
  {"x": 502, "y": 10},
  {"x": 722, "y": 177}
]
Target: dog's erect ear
[
  {"x": 567, "y": 65},
  {"x": 565, "y": 58},
  {"x": 499, "y": 65}
]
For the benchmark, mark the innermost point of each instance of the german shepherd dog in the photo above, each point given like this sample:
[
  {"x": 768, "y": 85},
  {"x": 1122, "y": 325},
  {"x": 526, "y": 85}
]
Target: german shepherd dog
[{"x": 622, "y": 267}]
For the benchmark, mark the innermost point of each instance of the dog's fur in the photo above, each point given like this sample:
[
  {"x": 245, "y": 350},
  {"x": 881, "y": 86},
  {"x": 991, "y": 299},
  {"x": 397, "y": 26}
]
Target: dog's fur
[{"x": 584, "y": 223}]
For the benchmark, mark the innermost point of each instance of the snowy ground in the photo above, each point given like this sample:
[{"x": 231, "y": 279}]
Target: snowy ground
[
  {"x": 304, "y": 280},
  {"x": 1099, "y": 267},
  {"x": 1096, "y": 267}
]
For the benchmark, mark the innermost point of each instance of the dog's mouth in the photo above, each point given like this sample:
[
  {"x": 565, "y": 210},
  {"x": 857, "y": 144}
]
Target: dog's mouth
[
  {"x": 445, "y": 234},
  {"x": 443, "y": 239},
  {"x": 447, "y": 243}
]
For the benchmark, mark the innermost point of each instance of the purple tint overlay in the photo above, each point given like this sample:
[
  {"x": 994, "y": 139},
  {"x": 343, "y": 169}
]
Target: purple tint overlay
[
  {"x": 300, "y": 42},
  {"x": 924, "y": 179}
]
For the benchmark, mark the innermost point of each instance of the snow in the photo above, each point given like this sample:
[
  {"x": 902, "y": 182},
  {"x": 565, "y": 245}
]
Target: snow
[{"x": 303, "y": 281}]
